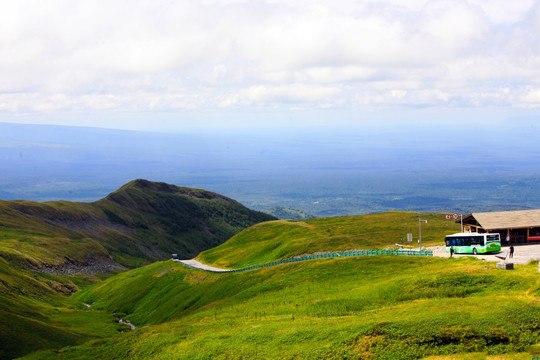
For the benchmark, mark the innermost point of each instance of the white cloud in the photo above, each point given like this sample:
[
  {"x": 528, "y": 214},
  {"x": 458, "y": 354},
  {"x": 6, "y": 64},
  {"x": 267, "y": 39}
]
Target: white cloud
[
  {"x": 127, "y": 56},
  {"x": 294, "y": 93},
  {"x": 504, "y": 11},
  {"x": 529, "y": 99}
]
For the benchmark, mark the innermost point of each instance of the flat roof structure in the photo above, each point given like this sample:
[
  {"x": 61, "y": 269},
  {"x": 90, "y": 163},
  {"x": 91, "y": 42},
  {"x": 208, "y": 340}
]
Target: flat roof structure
[{"x": 519, "y": 226}]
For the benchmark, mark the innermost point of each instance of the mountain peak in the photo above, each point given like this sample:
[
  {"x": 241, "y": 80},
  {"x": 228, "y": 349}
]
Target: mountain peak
[{"x": 161, "y": 187}]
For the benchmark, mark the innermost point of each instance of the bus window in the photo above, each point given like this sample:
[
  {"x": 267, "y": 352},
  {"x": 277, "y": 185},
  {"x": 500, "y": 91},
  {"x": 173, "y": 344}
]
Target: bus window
[
  {"x": 477, "y": 240},
  {"x": 492, "y": 238}
]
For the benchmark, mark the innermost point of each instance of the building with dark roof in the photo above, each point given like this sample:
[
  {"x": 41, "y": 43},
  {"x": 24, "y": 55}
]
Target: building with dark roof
[{"x": 514, "y": 226}]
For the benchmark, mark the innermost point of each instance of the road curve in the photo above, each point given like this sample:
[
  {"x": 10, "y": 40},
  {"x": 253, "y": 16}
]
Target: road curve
[
  {"x": 198, "y": 265},
  {"x": 522, "y": 255}
]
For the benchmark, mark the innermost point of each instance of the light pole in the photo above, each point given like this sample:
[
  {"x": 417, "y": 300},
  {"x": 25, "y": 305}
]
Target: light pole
[{"x": 420, "y": 231}]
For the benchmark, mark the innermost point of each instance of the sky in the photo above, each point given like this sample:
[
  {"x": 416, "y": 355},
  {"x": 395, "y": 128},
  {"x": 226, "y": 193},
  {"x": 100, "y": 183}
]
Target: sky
[{"x": 172, "y": 65}]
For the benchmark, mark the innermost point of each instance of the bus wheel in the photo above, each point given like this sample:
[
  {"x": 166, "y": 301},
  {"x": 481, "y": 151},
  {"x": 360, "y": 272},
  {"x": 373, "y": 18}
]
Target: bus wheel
[{"x": 474, "y": 251}]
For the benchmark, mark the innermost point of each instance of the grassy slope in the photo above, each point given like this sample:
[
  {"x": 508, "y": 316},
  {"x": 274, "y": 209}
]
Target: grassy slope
[
  {"x": 34, "y": 315},
  {"x": 32, "y": 307},
  {"x": 170, "y": 219},
  {"x": 282, "y": 239},
  {"x": 322, "y": 309},
  {"x": 139, "y": 223},
  {"x": 366, "y": 307}
]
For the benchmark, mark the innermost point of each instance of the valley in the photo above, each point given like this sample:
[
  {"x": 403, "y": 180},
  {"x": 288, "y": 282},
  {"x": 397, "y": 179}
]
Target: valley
[
  {"x": 367, "y": 307},
  {"x": 372, "y": 307}
]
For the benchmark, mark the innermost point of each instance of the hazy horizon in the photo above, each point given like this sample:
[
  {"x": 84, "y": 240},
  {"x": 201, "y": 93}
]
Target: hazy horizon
[{"x": 339, "y": 171}]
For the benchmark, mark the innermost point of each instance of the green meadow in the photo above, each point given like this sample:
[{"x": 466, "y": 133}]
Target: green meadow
[
  {"x": 383, "y": 307},
  {"x": 367, "y": 307},
  {"x": 37, "y": 314},
  {"x": 276, "y": 240}
]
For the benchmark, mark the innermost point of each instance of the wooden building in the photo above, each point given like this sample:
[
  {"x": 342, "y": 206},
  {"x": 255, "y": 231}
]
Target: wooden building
[{"x": 515, "y": 226}]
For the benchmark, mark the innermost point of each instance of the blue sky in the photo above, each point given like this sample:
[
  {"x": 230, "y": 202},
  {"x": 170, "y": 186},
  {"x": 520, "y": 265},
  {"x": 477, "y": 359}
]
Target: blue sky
[{"x": 176, "y": 65}]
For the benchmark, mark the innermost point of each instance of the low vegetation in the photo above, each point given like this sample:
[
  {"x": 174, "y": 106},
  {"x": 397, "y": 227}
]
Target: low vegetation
[
  {"x": 355, "y": 308},
  {"x": 282, "y": 239},
  {"x": 35, "y": 312},
  {"x": 53, "y": 249},
  {"x": 380, "y": 307}
]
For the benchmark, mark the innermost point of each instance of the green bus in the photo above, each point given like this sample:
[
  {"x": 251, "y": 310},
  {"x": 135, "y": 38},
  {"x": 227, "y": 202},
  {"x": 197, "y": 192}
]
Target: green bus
[{"x": 473, "y": 243}]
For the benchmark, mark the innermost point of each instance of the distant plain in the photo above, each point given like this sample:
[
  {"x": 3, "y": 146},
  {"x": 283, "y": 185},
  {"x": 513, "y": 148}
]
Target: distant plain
[{"x": 323, "y": 171}]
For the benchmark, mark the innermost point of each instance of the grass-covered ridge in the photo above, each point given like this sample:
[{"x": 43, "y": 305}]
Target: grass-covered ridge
[
  {"x": 141, "y": 222},
  {"x": 282, "y": 239},
  {"x": 52, "y": 249},
  {"x": 367, "y": 307}
]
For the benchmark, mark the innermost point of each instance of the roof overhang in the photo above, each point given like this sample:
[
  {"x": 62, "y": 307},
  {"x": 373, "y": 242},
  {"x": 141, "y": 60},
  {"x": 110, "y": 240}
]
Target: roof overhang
[{"x": 505, "y": 219}]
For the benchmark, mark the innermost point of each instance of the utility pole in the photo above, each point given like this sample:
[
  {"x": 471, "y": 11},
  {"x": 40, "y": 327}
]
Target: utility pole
[{"x": 420, "y": 231}]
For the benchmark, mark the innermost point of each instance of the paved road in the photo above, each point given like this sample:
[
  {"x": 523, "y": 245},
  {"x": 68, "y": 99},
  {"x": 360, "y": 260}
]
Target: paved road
[
  {"x": 523, "y": 254},
  {"x": 199, "y": 265}
]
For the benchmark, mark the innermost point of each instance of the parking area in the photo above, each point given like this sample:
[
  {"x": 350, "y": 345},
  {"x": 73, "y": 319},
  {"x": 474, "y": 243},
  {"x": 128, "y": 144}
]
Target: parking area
[{"x": 523, "y": 254}]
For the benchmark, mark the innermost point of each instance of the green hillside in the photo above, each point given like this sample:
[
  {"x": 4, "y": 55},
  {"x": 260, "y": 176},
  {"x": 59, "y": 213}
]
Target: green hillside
[
  {"x": 52, "y": 249},
  {"x": 380, "y": 307},
  {"x": 348, "y": 308},
  {"x": 141, "y": 222},
  {"x": 282, "y": 239},
  {"x": 166, "y": 219},
  {"x": 35, "y": 312}
]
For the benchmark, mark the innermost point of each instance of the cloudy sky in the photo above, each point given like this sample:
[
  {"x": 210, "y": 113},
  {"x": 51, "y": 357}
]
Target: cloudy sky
[{"x": 164, "y": 65}]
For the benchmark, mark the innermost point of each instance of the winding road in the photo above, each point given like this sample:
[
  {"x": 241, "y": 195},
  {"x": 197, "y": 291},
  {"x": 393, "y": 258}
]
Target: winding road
[{"x": 523, "y": 254}]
